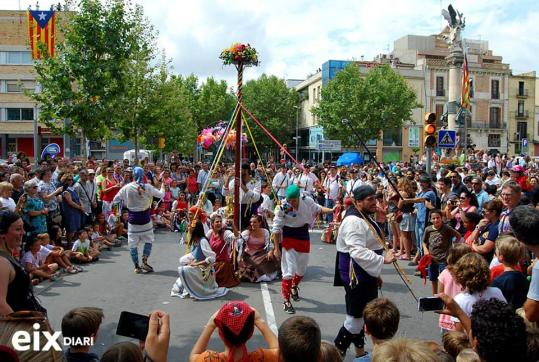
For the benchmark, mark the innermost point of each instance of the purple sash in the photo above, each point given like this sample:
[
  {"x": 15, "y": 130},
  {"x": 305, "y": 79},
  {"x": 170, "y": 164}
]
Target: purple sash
[{"x": 139, "y": 217}]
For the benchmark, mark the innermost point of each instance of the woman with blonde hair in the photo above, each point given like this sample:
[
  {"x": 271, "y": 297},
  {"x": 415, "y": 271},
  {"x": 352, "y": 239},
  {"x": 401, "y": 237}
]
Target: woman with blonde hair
[
  {"x": 403, "y": 350},
  {"x": 6, "y": 202}
]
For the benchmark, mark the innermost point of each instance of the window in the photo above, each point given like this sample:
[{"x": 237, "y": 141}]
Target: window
[
  {"x": 471, "y": 88},
  {"x": 494, "y": 120},
  {"x": 13, "y": 86},
  {"x": 522, "y": 130},
  {"x": 494, "y": 140},
  {"x": 319, "y": 93},
  {"x": 20, "y": 114},
  {"x": 520, "y": 110},
  {"x": 393, "y": 137},
  {"x": 440, "y": 87},
  {"x": 19, "y": 58},
  {"x": 314, "y": 95},
  {"x": 520, "y": 88},
  {"x": 495, "y": 89},
  {"x": 11, "y": 145},
  {"x": 439, "y": 113}
]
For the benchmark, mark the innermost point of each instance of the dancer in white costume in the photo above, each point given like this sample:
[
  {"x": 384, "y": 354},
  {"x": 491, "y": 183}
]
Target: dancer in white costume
[{"x": 137, "y": 196}]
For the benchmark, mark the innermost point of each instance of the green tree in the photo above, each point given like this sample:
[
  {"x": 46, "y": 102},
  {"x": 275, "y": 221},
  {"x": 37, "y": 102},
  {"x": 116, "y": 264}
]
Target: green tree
[
  {"x": 380, "y": 100},
  {"x": 170, "y": 114},
  {"x": 273, "y": 104},
  {"x": 213, "y": 103},
  {"x": 84, "y": 82}
]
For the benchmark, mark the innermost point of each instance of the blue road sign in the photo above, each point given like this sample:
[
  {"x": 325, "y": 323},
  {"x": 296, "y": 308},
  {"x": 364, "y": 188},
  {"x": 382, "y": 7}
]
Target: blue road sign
[{"x": 447, "y": 138}]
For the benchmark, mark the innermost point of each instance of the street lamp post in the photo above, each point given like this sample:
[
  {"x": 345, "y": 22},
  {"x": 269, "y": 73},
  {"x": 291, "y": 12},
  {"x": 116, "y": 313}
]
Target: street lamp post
[{"x": 297, "y": 132}]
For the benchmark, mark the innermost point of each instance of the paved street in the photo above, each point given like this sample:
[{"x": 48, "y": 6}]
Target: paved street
[{"x": 111, "y": 285}]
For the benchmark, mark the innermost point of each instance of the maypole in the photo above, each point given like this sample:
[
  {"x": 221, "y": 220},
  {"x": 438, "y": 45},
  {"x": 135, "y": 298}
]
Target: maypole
[
  {"x": 237, "y": 149},
  {"x": 241, "y": 55}
]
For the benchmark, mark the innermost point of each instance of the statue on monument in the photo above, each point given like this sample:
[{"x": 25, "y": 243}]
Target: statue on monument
[{"x": 456, "y": 23}]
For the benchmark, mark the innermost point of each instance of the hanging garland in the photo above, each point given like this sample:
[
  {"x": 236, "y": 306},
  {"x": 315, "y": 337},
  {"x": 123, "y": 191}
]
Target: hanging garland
[{"x": 212, "y": 135}]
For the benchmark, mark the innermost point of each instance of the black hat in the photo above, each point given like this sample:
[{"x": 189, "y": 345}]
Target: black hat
[{"x": 363, "y": 191}]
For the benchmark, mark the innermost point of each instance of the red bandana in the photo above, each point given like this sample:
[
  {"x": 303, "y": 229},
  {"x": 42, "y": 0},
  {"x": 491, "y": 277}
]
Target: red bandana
[{"x": 233, "y": 316}]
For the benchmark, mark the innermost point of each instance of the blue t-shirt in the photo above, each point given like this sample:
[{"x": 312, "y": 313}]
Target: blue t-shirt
[
  {"x": 533, "y": 292},
  {"x": 514, "y": 287},
  {"x": 367, "y": 357},
  {"x": 422, "y": 211},
  {"x": 489, "y": 232}
]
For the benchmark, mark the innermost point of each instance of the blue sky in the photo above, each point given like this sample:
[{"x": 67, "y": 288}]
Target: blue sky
[{"x": 294, "y": 37}]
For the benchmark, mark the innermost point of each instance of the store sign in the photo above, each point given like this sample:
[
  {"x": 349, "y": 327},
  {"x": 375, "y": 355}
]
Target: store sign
[
  {"x": 52, "y": 150},
  {"x": 316, "y": 134}
]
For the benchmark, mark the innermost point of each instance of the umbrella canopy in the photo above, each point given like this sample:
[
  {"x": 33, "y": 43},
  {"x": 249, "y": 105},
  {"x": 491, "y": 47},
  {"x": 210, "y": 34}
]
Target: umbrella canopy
[{"x": 348, "y": 158}]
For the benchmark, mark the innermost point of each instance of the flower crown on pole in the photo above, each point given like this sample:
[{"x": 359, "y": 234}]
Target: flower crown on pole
[{"x": 239, "y": 53}]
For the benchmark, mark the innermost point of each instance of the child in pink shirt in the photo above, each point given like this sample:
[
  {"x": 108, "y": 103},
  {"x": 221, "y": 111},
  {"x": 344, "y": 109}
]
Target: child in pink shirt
[{"x": 447, "y": 283}]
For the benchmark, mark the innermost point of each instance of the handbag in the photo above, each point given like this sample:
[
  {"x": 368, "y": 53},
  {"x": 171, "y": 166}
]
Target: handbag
[{"x": 24, "y": 321}]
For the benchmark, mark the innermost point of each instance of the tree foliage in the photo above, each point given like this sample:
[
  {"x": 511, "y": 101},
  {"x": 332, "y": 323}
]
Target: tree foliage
[
  {"x": 273, "y": 104},
  {"x": 379, "y": 100},
  {"x": 84, "y": 81}
]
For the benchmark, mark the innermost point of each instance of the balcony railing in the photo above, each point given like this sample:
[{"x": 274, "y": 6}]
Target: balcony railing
[
  {"x": 517, "y": 137},
  {"x": 521, "y": 115},
  {"x": 440, "y": 92},
  {"x": 486, "y": 125},
  {"x": 522, "y": 93}
]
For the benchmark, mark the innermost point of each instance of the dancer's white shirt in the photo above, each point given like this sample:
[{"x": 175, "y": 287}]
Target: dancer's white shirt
[
  {"x": 134, "y": 201},
  {"x": 308, "y": 209},
  {"x": 253, "y": 193},
  {"x": 356, "y": 238}
]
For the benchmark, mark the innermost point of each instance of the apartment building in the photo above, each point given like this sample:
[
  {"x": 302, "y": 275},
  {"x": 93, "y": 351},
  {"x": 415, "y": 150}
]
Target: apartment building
[
  {"x": 521, "y": 123},
  {"x": 17, "y": 111},
  {"x": 489, "y": 78}
]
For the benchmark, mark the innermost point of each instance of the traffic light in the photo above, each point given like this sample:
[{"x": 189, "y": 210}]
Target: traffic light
[
  {"x": 430, "y": 130},
  {"x": 161, "y": 144}
]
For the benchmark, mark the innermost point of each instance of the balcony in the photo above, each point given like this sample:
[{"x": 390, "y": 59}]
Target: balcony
[
  {"x": 440, "y": 92},
  {"x": 521, "y": 115},
  {"x": 517, "y": 138},
  {"x": 486, "y": 125},
  {"x": 522, "y": 93}
]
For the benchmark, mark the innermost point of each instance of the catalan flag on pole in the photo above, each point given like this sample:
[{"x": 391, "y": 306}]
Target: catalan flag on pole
[
  {"x": 41, "y": 27},
  {"x": 465, "y": 96}
]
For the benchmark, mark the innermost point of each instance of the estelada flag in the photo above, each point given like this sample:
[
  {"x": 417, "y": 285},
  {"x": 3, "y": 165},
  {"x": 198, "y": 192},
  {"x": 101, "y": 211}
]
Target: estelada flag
[
  {"x": 465, "y": 95},
  {"x": 41, "y": 27}
]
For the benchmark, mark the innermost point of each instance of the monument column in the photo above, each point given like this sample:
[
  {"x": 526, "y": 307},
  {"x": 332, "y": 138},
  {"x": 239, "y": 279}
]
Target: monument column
[{"x": 454, "y": 60}]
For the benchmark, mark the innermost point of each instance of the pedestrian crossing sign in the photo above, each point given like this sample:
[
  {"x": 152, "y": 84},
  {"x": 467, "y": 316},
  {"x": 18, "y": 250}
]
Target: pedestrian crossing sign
[{"x": 447, "y": 138}]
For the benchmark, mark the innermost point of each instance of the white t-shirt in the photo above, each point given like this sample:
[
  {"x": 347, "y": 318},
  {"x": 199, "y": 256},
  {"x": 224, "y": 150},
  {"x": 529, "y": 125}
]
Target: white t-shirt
[
  {"x": 332, "y": 186},
  {"x": 36, "y": 260},
  {"x": 81, "y": 246},
  {"x": 466, "y": 300},
  {"x": 8, "y": 203},
  {"x": 44, "y": 251}
]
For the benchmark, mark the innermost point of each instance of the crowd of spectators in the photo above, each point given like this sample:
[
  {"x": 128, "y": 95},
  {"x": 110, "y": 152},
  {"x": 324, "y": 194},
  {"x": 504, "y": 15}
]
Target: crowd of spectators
[{"x": 470, "y": 226}]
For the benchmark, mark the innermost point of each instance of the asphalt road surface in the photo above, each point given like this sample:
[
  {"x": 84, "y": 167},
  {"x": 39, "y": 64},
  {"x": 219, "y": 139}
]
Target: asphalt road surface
[{"x": 111, "y": 284}]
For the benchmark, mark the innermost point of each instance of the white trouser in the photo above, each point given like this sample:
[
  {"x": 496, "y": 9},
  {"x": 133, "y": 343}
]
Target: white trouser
[
  {"x": 353, "y": 325},
  {"x": 133, "y": 240},
  {"x": 293, "y": 262}
]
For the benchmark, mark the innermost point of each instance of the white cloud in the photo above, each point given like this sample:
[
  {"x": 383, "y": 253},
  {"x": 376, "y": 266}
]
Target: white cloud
[{"x": 295, "y": 37}]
